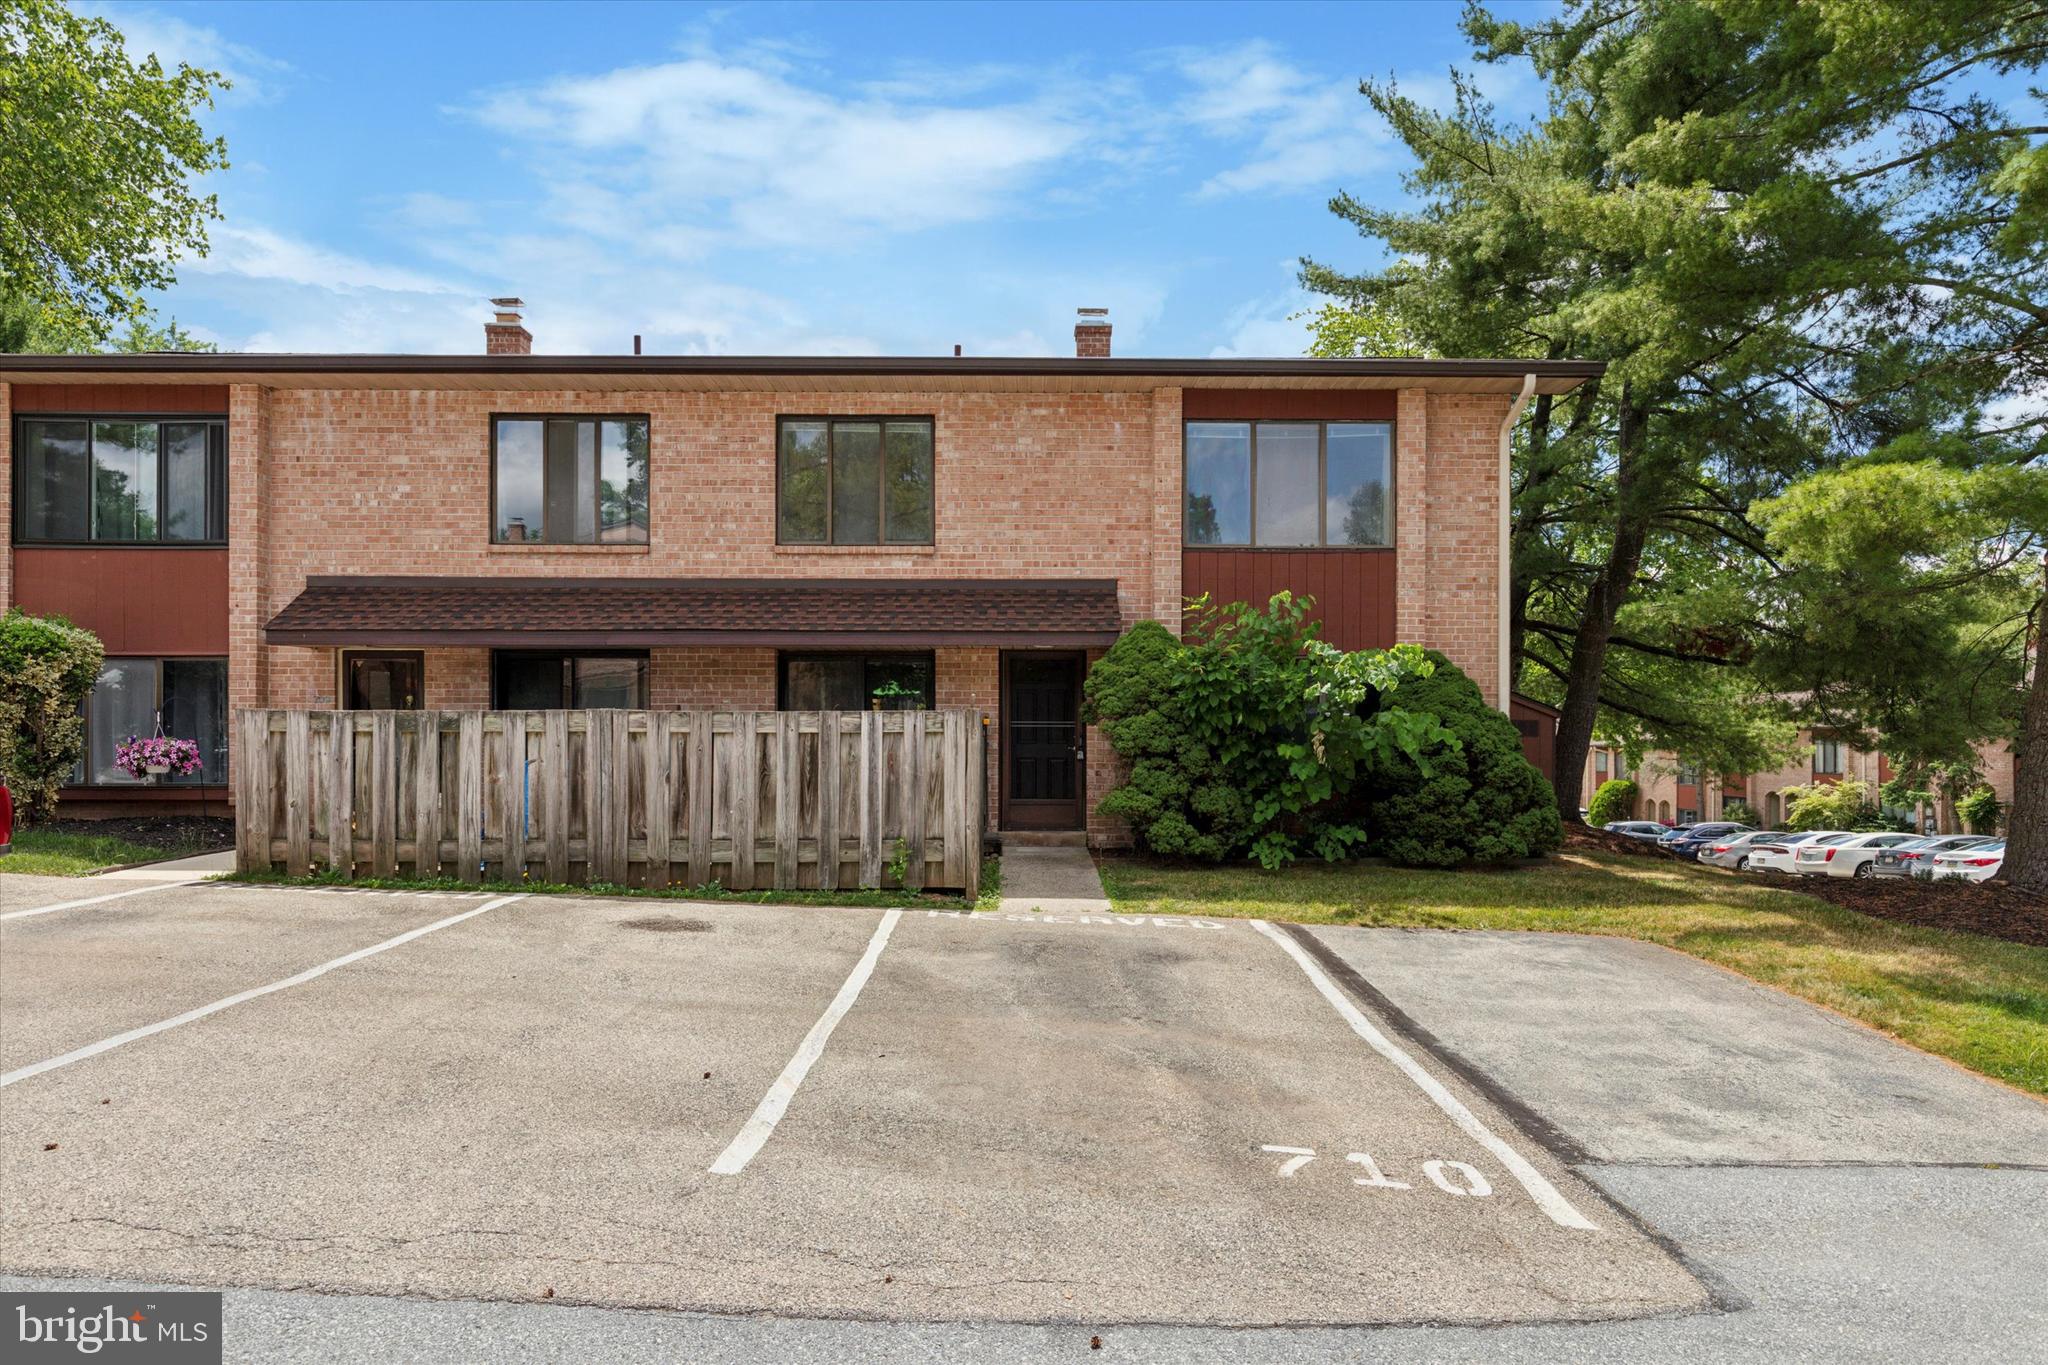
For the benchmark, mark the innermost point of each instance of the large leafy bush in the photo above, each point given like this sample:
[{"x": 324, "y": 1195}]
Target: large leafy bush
[
  {"x": 1472, "y": 799},
  {"x": 1832, "y": 805},
  {"x": 47, "y": 669},
  {"x": 1247, "y": 736},
  {"x": 1980, "y": 810},
  {"x": 1616, "y": 800}
]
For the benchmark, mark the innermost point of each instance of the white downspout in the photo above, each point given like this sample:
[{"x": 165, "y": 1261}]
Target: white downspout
[{"x": 1507, "y": 430}]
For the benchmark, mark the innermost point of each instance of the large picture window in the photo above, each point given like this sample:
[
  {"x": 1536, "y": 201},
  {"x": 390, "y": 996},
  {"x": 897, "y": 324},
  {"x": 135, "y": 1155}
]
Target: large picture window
[
  {"x": 1289, "y": 483},
  {"x": 569, "y": 480},
  {"x": 551, "y": 682},
  {"x": 121, "y": 481},
  {"x": 191, "y": 695},
  {"x": 854, "y": 481},
  {"x": 855, "y": 682}
]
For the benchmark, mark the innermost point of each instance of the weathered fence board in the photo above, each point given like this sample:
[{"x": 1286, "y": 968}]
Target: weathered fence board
[{"x": 671, "y": 798}]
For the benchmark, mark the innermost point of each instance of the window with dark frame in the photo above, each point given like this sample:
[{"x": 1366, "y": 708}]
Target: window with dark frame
[
  {"x": 569, "y": 480},
  {"x": 532, "y": 681},
  {"x": 854, "y": 682},
  {"x": 1291, "y": 484},
  {"x": 1827, "y": 756},
  {"x": 853, "y": 481},
  {"x": 383, "y": 680},
  {"x": 121, "y": 481},
  {"x": 191, "y": 696}
]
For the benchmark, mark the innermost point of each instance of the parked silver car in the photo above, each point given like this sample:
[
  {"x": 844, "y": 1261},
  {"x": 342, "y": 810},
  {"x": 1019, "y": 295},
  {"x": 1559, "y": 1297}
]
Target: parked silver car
[
  {"x": 1916, "y": 859},
  {"x": 1649, "y": 831},
  {"x": 1736, "y": 850}
]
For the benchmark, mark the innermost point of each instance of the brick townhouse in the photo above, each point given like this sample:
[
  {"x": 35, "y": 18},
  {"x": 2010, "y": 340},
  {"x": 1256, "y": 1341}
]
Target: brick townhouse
[
  {"x": 1674, "y": 790},
  {"x": 522, "y": 531}
]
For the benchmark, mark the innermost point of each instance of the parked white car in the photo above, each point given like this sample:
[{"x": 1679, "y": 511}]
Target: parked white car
[
  {"x": 1810, "y": 859},
  {"x": 1778, "y": 857},
  {"x": 1978, "y": 864},
  {"x": 1736, "y": 850},
  {"x": 1856, "y": 855}
]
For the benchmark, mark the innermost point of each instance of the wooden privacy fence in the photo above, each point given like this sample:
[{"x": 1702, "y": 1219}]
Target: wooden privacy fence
[{"x": 747, "y": 799}]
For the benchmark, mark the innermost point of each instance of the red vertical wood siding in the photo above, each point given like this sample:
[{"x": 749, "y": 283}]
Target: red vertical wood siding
[
  {"x": 1353, "y": 589},
  {"x": 137, "y": 599},
  {"x": 30, "y": 399}
]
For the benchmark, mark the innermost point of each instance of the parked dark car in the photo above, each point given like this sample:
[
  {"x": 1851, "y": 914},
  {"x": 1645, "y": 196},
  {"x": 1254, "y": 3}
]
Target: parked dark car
[
  {"x": 1649, "y": 831},
  {"x": 1687, "y": 843},
  {"x": 1916, "y": 859}
]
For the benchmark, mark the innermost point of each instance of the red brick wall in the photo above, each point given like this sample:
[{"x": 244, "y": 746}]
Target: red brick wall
[
  {"x": 1447, "y": 496},
  {"x": 6, "y": 497},
  {"x": 1028, "y": 484}
]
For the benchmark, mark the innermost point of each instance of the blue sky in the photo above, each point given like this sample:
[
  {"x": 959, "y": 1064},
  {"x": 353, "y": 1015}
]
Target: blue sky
[{"x": 831, "y": 179}]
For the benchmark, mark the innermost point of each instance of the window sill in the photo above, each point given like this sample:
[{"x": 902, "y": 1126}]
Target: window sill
[
  {"x": 544, "y": 549},
  {"x": 856, "y": 549}
]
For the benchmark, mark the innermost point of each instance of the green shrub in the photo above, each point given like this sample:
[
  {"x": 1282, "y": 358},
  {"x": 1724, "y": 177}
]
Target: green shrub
[
  {"x": 1474, "y": 799},
  {"x": 47, "y": 669},
  {"x": 1616, "y": 800},
  {"x": 1741, "y": 812},
  {"x": 1245, "y": 737},
  {"x": 1832, "y": 805},
  {"x": 1980, "y": 811}
]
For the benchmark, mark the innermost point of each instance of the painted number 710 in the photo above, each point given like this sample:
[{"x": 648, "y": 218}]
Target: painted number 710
[{"x": 1452, "y": 1177}]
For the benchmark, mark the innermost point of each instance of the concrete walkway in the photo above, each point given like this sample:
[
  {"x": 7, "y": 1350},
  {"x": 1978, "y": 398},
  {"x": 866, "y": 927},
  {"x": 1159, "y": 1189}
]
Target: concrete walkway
[
  {"x": 1057, "y": 880},
  {"x": 176, "y": 869}
]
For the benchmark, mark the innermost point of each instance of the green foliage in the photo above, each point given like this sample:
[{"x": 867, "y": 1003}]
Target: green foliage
[
  {"x": 97, "y": 154},
  {"x": 1468, "y": 797},
  {"x": 1615, "y": 800},
  {"x": 1832, "y": 805},
  {"x": 1796, "y": 233},
  {"x": 47, "y": 669},
  {"x": 1245, "y": 738},
  {"x": 1741, "y": 812},
  {"x": 1339, "y": 333},
  {"x": 1980, "y": 811}
]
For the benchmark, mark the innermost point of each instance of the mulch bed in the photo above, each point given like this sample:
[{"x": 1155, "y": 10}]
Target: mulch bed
[
  {"x": 168, "y": 832},
  {"x": 1993, "y": 909}
]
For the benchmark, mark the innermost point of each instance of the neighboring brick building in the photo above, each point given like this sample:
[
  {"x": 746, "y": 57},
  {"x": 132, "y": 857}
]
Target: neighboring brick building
[
  {"x": 682, "y": 531},
  {"x": 1680, "y": 793}
]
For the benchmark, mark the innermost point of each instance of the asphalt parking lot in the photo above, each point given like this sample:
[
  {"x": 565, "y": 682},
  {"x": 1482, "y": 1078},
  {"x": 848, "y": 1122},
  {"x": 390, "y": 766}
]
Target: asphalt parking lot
[{"x": 857, "y": 1116}]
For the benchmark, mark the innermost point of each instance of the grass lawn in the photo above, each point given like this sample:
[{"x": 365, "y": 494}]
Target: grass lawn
[
  {"x": 1979, "y": 1001},
  {"x": 48, "y": 853}
]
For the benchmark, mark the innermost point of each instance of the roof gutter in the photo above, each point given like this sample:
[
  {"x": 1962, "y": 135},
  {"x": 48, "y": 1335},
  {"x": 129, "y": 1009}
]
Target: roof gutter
[{"x": 1507, "y": 550}]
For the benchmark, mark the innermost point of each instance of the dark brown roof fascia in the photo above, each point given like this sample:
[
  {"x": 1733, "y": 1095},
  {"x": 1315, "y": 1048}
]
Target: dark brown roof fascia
[
  {"x": 524, "y": 584},
  {"x": 201, "y": 363},
  {"x": 629, "y": 639}
]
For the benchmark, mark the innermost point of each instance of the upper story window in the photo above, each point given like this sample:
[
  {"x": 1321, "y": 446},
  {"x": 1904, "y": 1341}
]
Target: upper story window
[
  {"x": 1827, "y": 756},
  {"x": 569, "y": 480},
  {"x": 1688, "y": 774},
  {"x": 853, "y": 481},
  {"x": 121, "y": 481},
  {"x": 1290, "y": 483}
]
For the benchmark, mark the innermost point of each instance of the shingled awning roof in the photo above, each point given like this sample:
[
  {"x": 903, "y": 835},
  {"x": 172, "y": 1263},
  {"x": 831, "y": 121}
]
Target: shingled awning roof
[{"x": 601, "y": 613}]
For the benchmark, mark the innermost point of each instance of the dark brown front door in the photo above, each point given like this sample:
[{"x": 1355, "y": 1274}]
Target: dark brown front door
[{"x": 1044, "y": 784}]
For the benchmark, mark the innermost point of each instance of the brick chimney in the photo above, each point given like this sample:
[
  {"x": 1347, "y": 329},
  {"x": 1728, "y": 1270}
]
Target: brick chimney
[
  {"x": 505, "y": 334},
  {"x": 1091, "y": 333}
]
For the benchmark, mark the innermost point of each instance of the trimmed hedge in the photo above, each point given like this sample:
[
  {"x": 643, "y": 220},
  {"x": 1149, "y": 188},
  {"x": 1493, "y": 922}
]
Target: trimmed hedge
[
  {"x": 1616, "y": 800},
  {"x": 1478, "y": 801}
]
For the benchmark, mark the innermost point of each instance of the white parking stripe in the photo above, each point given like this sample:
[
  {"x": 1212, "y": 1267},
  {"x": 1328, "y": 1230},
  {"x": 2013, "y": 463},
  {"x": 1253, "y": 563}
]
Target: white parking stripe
[
  {"x": 147, "y": 1030},
  {"x": 768, "y": 1113},
  {"x": 94, "y": 900},
  {"x": 1541, "y": 1190}
]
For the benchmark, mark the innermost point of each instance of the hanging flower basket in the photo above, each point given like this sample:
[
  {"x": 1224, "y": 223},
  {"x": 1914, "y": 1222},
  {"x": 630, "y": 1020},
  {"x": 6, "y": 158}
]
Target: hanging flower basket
[{"x": 157, "y": 755}]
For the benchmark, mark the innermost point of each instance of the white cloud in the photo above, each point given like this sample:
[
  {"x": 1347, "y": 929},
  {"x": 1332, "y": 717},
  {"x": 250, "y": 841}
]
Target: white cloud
[
  {"x": 1268, "y": 326},
  {"x": 255, "y": 76},
  {"x": 1302, "y": 129},
  {"x": 741, "y": 150},
  {"x": 259, "y": 253}
]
